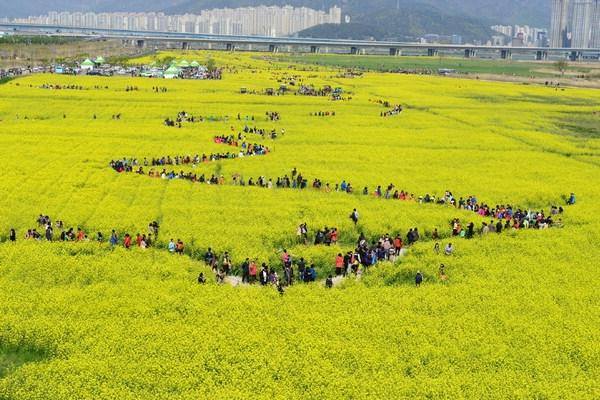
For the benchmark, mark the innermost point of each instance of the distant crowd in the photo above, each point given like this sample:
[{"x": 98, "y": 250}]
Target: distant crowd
[
  {"x": 397, "y": 109},
  {"x": 509, "y": 215},
  {"x": 365, "y": 254},
  {"x": 133, "y": 165},
  {"x": 322, "y": 114}
]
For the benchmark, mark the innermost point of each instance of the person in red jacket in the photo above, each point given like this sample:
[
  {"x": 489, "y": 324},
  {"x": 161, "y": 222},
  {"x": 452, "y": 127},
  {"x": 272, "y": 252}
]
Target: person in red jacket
[
  {"x": 398, "y": 245},
  {"x": 127, "y": 241},
  {"x": 253, "y": 271},
  {"x": 339, "y": 264},
  {"x": 80, "y": 234},
  {"x": 334, "y": 236}
]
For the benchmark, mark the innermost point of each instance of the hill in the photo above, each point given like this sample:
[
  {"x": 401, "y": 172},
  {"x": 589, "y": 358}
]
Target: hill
[{"x": 408, "y": 24}]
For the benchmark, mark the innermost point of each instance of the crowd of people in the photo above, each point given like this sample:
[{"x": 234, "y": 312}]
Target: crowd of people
[
  {"x": 310, "y": 90},
  {"x": 261, "y": 131},
  {"x": 503, "y": 216},
  {"x": 273, "y": 115},
  {"x": 354, "y": 262},
  {"x": 47, "y": 230},
  {"x": 184, "y": 116},
  {"x": 365, "y": 254},
  {"x": 248, "y": 149},
  {"x": 133, "y": 165},
  {"x": 395, "y": 110},
  {"x": 306, "y": 272},
  {"x": 62, "y": 87},
  {"x": 181, "y": 117},
  {"x": 326, "y": 236},
  {"x": 322, "y": 114}
]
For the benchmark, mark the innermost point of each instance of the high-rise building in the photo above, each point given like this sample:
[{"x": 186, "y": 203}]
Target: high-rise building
[
  {"x": 582, "y": 24},
  {"x": 558, "y": 23},
  {"x": 595, "y": 40}
]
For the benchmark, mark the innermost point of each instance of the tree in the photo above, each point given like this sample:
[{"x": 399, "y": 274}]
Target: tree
[
  {"x": 561, "y": 66},
  {"x": 211, "y": 65},
  {"x": 166, "y": 60}
]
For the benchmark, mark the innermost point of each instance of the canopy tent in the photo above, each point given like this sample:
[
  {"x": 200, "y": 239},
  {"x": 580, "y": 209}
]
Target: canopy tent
[
  {"x": 99, "y": 60},
  {"x": 172, "y": 72},
  {"x": 194, "y": 64},
  {"x": 183, "y": 64},
  {"x": 87, "y": 64}
]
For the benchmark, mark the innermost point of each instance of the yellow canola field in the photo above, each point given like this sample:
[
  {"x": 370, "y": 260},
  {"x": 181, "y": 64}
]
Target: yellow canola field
[{"x": 518, "y": 317}]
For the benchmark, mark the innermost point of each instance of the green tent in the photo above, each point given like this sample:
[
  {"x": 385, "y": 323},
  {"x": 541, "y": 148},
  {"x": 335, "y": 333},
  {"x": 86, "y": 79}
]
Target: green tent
[
  {"x": 194, "y": 64},
  {"x": 99, "y": 60},
  {"x": 172, "y": 72},
  {"x": 87, "y": 63},
  {"x": 183, "y": 64}
]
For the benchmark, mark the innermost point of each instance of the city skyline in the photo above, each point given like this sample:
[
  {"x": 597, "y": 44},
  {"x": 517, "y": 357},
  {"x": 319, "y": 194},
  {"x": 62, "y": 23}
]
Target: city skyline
[{"x": 260, "y": 20}]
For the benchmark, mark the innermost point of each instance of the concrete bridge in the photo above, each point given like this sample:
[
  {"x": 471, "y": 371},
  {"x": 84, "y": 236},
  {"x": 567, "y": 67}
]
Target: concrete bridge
[{"x": 275, "y": 44}]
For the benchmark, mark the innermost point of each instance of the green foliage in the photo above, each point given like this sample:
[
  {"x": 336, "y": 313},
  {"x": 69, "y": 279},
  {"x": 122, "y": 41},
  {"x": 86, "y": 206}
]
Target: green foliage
[
  {"x": 426, "y": 64},
  {"x": 12, "y": 358},
  {"x": 561, "y": 65},
  {"x": 45, "y": 40},
  {"x": 211, "y": 65}
]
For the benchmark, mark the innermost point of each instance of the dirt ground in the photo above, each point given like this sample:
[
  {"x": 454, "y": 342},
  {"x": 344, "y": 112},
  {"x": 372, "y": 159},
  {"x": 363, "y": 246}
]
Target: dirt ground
[{"x": 21, "y": 55}]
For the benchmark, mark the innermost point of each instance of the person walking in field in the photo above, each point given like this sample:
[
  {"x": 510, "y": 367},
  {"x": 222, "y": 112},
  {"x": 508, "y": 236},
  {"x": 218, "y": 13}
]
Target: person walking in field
[
  {"x": 312, "y": 273},
  {"x": 397, "y": 245},
  {"x": 285, "y": 258},
  {"x": 449, "y": 249},
  {"x": 226, "y": 263},
  {"x": 201, "y": 279},
  {"x": 127, "y": 241},
  {"x": 571, "y": 200},
  {"x": 80, "y": 234},
  {"x": 354, "y": 216},
  {"x": 264, "y": 274},
  {"x": 303, "y": 233},
  {"x": 246, "y": 271},
  {"x": 329, "y": 282},
  {"x": 253, "y": 271},
  {"x": 179, "y": 247},
  {"x": 442, "y": 271},
  {"x": 171, "y": 246},
  {"x": 339, "y": 264},
  {"x": 49, "y": 233},
  {"x": 12, "y": 236},
  {"x": 114, "y": 239},
  {"x": 499, "y": 227},
  {"x": 418, "y": 279}
]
